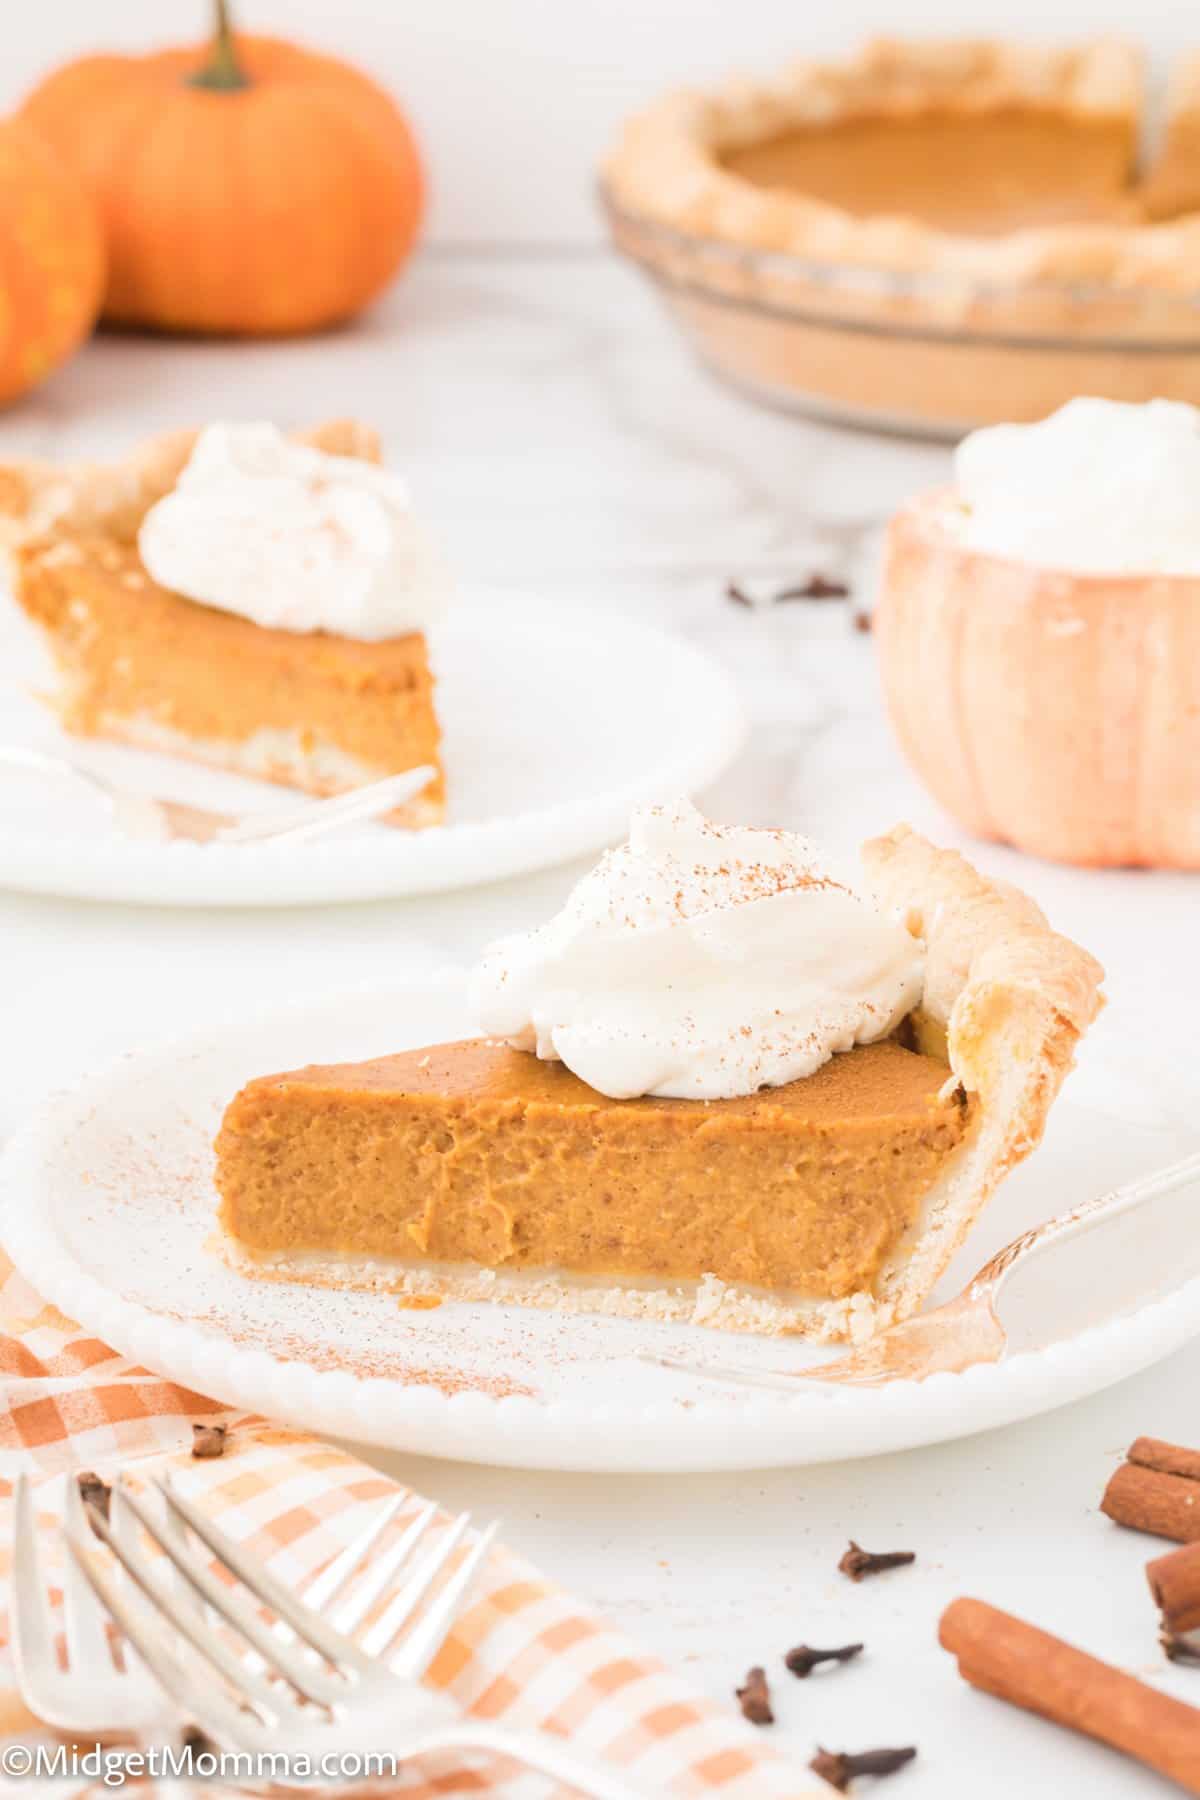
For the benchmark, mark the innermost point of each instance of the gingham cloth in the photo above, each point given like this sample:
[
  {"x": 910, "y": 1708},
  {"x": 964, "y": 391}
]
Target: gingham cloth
[{"x": 524, "y": 1652}]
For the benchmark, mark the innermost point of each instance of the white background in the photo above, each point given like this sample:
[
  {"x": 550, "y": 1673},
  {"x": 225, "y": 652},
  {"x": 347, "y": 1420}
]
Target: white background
[
  {"x": 515, "y": 100},
  {"x": 560, "y": 441}
]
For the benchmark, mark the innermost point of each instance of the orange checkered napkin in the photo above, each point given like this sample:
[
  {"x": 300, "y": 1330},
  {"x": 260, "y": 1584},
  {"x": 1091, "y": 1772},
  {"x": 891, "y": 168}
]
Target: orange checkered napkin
[{"x": 524, "y": 1652}]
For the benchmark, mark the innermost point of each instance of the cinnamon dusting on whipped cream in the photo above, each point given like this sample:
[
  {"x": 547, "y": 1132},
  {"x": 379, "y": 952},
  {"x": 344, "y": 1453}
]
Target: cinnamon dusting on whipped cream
[{"x": 701, "y": 962}]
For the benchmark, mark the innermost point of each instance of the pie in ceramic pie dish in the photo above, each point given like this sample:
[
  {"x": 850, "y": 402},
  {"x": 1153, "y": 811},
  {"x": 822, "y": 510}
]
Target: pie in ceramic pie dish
[
  {"x": 980, "y": 201},
  {"x": 143, "y": 664},
  {"x": 826, "y": 1205}
]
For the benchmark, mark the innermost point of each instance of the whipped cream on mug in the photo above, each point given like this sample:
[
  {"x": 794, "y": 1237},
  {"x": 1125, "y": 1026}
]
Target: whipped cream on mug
[
  {"x": 1101, "y": 487},
  {"x": 701, "y": 961},
  {"x": 293, "y": 538}
]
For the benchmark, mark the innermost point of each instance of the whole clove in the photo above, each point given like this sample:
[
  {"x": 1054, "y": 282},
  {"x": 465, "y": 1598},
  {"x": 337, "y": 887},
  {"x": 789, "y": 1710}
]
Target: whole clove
[
  {"x": 839, "y": 1767},
  {"x": 813, "y": 587},
  {"x": 803, "y": 1659},
  {"x": 816, "y": 587},
  {"x": 95, "y": 1494},
  {"x": 754, "y": 1697},
  {"x": 857, "y": 1562},
  {"x": 209, "y": 1440}
]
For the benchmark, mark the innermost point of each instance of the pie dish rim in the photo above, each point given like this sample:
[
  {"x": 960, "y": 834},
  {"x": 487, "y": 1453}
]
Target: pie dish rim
[{"x": 874, "y": 298}]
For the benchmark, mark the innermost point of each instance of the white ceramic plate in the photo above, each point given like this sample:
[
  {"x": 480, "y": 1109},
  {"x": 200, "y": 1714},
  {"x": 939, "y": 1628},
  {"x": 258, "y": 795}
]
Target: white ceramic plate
[
  {"x": 108, "y": 1207},
  {"x": 555, "y": 727}
]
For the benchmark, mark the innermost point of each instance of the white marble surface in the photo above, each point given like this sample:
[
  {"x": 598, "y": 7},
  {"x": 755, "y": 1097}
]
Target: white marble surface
[{"x": 562, "y": 443}]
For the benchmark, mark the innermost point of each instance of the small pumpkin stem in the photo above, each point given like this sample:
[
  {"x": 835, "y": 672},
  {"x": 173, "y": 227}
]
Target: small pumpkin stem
[{"x": 222, "y": 71}]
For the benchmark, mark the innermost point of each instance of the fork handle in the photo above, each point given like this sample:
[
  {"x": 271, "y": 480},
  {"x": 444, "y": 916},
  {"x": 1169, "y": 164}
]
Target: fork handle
[
  {"x": 534, "y": 1750},
  {"x": 1084, "y": 1218},
  {"x": 18, "y": 756}
]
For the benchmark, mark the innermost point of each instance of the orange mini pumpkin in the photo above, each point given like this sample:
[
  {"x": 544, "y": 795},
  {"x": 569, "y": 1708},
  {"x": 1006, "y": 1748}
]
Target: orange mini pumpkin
[
  {"x": 51, "y": 261},
  {"x": 253, "y": 188}
]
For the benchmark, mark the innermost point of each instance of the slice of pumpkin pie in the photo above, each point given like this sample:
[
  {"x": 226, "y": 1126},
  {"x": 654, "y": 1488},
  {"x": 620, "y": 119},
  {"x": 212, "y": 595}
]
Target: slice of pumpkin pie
[
  {"x": 250, "y": 601},
  {"x": 720, "y": 1086}
]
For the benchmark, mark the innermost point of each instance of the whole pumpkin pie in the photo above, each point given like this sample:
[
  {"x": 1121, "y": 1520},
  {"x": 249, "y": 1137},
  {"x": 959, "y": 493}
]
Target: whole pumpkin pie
[
  {"x": 720, "y": 1087},
  {"x": 951, "y": 231},
  {"x": 297, "y": 653}
]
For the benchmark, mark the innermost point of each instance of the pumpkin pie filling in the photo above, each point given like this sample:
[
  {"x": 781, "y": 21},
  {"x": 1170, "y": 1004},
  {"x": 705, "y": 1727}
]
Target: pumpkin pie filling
[
  {"x": 144, "y": 664},
  {"x": 476, "y": 1153},
  {"x": 1013, "y": 169}
]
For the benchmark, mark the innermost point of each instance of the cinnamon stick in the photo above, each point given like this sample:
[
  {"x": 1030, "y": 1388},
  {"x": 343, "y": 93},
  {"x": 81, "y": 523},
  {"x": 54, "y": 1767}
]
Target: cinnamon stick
[
  {"x": 1171, "y": 1459},
  {"x": 1016, "y": 1662},
  {"x": 1153, "y": 1499},
  {"x": 1175, "y": 1583}
]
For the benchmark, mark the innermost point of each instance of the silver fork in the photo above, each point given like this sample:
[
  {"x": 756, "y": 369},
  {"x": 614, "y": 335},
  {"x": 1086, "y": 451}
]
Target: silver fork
[
  {"x": 92, "y": 1695},
  {"x": 968, "y": 1329},
  {"x": 151, "y": 817},
  {"x": 314, "y": 1682}
]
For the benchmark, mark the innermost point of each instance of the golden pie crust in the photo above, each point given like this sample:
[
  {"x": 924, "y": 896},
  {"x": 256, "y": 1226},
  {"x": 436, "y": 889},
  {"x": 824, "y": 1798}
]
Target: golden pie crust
[
  {"x": 143, "y": 666},
  {"x": 827, "y": 1207}
]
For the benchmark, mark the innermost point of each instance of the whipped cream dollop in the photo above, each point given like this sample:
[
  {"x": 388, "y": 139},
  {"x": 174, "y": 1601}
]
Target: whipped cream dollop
[
  {"x": 700, "y": 961},
  {"x": 294, "y": 538},
  {"x": 1102, "y": 487}
]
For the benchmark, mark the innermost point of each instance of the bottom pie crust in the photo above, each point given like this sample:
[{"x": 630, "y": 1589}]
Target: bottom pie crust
[{"x": 720, "y": 1305}]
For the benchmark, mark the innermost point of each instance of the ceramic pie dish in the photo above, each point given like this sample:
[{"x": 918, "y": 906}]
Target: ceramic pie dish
[{"x": 806, "y": 236}]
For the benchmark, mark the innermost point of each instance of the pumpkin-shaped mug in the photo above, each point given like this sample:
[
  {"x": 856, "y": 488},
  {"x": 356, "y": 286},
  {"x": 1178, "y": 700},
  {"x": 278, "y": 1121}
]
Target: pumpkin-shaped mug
[{"x": 1051, "y": 707}]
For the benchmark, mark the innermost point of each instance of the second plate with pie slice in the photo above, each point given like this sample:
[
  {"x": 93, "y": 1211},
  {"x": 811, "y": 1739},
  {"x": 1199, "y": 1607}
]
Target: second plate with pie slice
[{"x": 554, "y": 728}]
